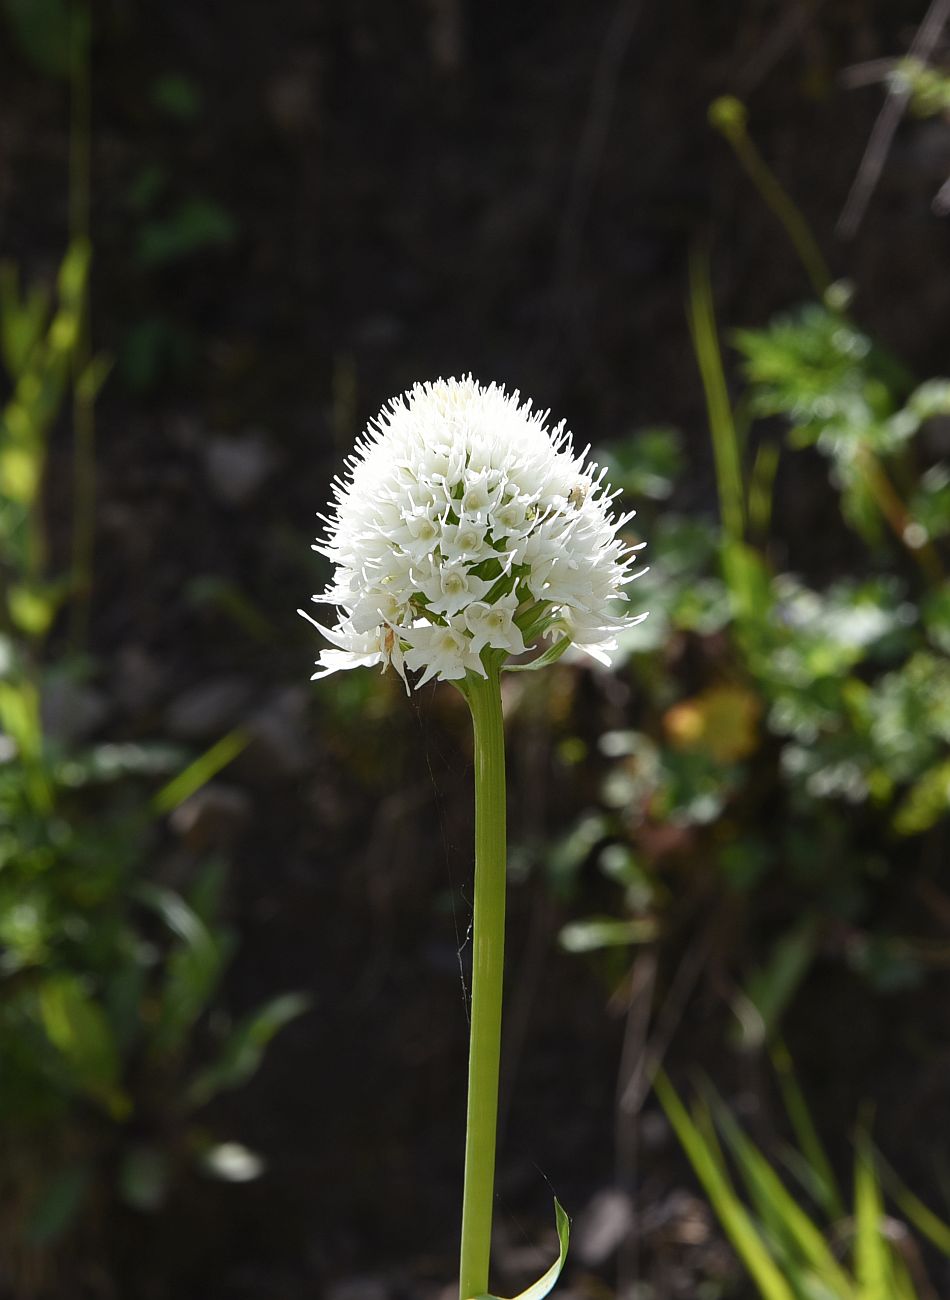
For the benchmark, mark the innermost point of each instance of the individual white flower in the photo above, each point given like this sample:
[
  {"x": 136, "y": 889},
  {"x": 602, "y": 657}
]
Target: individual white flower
[
  {"x": 463, "y": 532},
  {"x": 465, "y": 540},
  {"x": 452, "y": 586},
  {"x": 375, "y": 606},
  {"x": 443, "y": 652},
  {"x": 495, "y": 626},
  {"x": 592, "y": 633},
  {"x": 357, "y": 649},
  {"x": 418, "y": 533}
]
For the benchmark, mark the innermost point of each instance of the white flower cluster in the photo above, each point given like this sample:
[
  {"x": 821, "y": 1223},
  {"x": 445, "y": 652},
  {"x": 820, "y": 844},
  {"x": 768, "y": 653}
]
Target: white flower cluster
[{"x": 464, "y": 526}]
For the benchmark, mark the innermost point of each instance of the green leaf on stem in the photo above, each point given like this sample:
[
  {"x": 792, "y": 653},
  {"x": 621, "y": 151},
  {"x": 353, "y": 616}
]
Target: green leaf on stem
[
  {"x": 550, "y": 656},
  {"x": 538, "y": 1290}
]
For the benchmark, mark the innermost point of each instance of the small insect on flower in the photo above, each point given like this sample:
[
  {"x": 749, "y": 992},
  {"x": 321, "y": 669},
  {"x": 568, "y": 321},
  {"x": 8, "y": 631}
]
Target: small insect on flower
[{"x": 450, "y": 544}]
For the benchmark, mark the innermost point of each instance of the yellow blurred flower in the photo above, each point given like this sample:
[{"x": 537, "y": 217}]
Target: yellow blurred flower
[{"x": 722, "y": 721}]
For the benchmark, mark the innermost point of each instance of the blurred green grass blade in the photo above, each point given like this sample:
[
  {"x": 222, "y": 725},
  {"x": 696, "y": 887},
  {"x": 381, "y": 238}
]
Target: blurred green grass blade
[
  {"x": 244, "y": 1048},
  {"x": 927, "y": 1223},
  {"x": 722, "y": 426},
  {"x": 206, "y": 895},
  {"x": 538, "y": 1290},
  {"x": 732, "y": 1213},
  {"x": 902, "y": 1282},
  {"x": 92, "y": 377},
  {"x": 872, "y": 1261},
  {"x": 771, "y": 988},
  {"x": 806, "y": 1177},
  {"x": 788, "y": 1222},
  {"x": 831, "y": 1200},
  {"x": 181, "y": 919},
  {"x": 729, "y": 116},
  {"x": 191, "y": 979},
  {"x": 762, "y": 488},
  {"x": 192, "y": 971},
  {"x": 74, "y": 273},
  {"x": 201, "y": 771},
  {"x": 702, "y": 1118},
  {"x": 22, "y": 320}
]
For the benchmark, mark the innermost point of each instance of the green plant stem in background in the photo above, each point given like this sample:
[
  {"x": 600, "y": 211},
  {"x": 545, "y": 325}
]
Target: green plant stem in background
[
  {"x": 728, "y": 116},
  {"x": 896, "y": 515},
  {"x": 488, "y": 946},
  {"x": 725, "y": 438},
  {"x": 197, "y": 774}
]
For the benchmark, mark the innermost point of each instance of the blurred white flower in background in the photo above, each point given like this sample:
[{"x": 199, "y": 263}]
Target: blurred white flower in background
[{"x": 464, "y": 526}]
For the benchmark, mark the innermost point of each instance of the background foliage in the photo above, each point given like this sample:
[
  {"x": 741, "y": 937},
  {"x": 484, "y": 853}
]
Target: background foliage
[{"x": 234, "y": 910}]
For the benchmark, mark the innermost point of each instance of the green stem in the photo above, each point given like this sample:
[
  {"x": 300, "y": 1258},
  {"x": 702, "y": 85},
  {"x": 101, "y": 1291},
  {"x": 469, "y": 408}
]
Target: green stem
[
  {"x": 488, "y": 939},
  {"x": 722, "y": 425},
  {"x": 728, "y": 115},
  {"x": 796, "y": 227}
]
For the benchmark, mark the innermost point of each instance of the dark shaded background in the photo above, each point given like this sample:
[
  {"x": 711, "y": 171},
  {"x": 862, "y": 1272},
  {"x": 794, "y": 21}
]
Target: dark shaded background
[{"x": 421, "y": 189}]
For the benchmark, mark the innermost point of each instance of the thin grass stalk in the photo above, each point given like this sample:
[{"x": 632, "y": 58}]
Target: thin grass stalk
[
  {"x": 702, "y": 322},
  {"x": 728, "y": 116}
]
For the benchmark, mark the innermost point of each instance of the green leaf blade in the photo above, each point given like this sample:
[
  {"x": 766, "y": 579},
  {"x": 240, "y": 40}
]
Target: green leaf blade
[{"x": 545, "y": 1284}]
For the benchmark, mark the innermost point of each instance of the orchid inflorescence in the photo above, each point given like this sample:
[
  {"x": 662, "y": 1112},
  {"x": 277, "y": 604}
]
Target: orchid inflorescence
[
  {"x": 464, "y": 528},
  {"x": 464, "y": 533}
]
